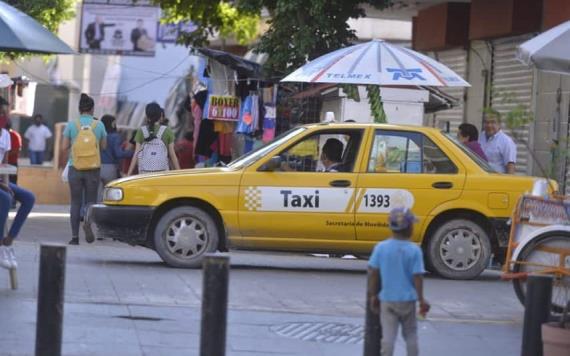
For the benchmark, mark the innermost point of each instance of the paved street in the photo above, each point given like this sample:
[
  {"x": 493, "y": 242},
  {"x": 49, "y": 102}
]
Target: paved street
[{"x": 122, "y": 300}]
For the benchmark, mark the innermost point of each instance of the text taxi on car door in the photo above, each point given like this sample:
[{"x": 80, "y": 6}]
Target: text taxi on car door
[{"x": 290, "y": 195}]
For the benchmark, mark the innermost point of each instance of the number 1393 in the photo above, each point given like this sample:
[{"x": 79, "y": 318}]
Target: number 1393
[{"x": 377, "y": 200}]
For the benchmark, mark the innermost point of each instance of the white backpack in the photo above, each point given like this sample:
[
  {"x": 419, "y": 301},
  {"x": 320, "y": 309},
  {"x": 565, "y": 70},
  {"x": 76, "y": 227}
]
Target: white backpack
[{"x": 153, "y": 154}]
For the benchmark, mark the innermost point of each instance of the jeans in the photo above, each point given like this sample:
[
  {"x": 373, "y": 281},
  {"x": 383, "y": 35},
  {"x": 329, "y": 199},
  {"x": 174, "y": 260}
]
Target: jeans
[
  {"x": 392, "y": 314},
  {"x": 26, "y": 199},
  {"x": 109, "y": 172},
  {"x": 82, "y": 185},
  {"x": 37, "y": 157}
]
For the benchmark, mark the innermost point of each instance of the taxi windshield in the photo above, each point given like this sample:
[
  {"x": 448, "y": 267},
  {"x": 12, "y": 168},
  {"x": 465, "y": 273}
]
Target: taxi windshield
[
  {"x": 480, "y": 162},
  {"x": 260, "y": 152}
]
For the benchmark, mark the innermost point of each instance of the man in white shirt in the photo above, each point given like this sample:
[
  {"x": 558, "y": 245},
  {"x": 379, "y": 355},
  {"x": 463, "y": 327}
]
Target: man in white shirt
[
  {"x": 37, "y": 135},
  {"x": 500, "y": 149}
]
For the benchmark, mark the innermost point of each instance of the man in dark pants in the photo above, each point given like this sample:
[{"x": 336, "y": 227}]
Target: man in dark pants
[
  {"x": 95, "y": 33},
  {"x": 136, "y": 35}
]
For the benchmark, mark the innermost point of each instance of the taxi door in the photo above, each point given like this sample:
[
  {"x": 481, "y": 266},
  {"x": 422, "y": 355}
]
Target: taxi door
[
  {"x": 298, "y": 199},
  {"x": 403, "y": 168}
]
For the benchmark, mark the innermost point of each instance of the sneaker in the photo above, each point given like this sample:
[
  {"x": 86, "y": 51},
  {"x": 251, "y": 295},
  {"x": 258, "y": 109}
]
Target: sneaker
[
  {"x": 74, "y": 241},
  {"x": 5, "y": 260},
  {"x": 12, "y": 256},
  {"x": 89, "y": 236}
]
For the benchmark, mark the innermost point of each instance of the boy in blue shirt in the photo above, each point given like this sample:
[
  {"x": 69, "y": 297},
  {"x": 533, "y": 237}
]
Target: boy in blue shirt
[{"x": 395, "y": 272}]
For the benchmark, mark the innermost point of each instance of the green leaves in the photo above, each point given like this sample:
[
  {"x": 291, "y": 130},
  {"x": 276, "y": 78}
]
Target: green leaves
[
  {"x": 213, "y": 17},
  {"x": 298, "y": 30},
  {"x": 376, "y": 107},
  {"x": 518, "y": 114}
]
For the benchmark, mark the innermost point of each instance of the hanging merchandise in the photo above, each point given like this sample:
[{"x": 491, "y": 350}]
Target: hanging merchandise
[
  {"x": 249, "y": 119},
  {"x": 206, "y": 138},
  {"x": 269, "y": 123},
  {"x": 198, "y": 103}
]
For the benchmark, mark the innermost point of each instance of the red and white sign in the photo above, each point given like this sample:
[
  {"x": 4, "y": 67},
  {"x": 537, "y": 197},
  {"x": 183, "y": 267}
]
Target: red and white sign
[{"x": 224, "y": 108}]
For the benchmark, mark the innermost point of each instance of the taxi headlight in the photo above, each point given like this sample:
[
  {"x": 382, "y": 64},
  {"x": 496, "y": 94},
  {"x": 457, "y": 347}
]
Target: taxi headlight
[{"x": 113, "y": 194}]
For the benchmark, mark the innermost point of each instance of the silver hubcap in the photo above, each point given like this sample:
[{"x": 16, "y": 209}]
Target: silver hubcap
[
  {"x": 460, "y": 249},
  {"x": 186, "y": 237}
]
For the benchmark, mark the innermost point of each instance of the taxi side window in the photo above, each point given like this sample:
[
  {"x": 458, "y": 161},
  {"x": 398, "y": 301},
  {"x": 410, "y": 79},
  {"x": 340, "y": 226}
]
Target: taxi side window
[
  {"x": 407, "y": 152},
  {"x": 305, "y": 156}
]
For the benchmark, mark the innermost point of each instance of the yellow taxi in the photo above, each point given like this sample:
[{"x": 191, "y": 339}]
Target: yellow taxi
[{"x": 287, "y": 196}]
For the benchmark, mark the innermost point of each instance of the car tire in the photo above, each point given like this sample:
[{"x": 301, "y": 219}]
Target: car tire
[
  {"x": 183, "y": 235},
  {"x": 459, "y": 249}
]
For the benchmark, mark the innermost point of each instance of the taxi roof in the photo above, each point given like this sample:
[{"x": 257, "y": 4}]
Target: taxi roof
[{"x": 347, "y": 125}]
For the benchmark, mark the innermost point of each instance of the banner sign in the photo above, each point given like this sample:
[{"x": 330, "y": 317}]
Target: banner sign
[
  {"x": 118, "y": 27},
  {"x": 169, "y": 32},
  {"x": 545, "y": 212},
  {"x": 223, "y": 108}
]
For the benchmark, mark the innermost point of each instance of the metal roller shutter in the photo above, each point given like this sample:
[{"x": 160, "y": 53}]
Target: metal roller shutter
[
  {"x": 511, "y": 77},
  {"x": 456, "y": 60}
]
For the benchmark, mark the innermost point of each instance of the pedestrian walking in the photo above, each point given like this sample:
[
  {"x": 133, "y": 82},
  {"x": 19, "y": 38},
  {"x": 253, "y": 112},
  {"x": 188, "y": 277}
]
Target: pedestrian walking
[
  {"x": 499, "y": 148},
  {"x": 468, "y": 135},
  {"x": 84, "y": 137},
  {"x": 112, "y": 155},
  {"x": 37, "y": 135},
  {"x": 8, "y": 193},
  {"x": 15, "y": 148},
  {"x": 154, "y": 144},
  {"x": 184, "y": 149},
  {"x": 395, "y": 272}
]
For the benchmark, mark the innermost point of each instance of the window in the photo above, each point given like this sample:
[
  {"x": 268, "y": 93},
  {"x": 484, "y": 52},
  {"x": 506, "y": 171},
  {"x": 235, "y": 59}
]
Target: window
[
  {"x": 340, "y": 151},
  {"x": 407, "y": 152}
]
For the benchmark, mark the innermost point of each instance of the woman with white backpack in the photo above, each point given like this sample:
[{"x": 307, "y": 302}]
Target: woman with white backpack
[{"x": 154, "y": 144}]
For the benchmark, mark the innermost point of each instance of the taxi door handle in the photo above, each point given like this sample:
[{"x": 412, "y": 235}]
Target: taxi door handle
[
  {"x": 340, "y": 183},
  {"x": 442, "y": 185}
]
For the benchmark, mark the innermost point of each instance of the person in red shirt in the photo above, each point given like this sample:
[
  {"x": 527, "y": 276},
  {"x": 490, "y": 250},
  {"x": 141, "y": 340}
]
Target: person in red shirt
[
  {"x": 16, "y": 147},
  {"x": 185, "y": 151}
]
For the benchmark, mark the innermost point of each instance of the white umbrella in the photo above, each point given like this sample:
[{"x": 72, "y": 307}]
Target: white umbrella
[
  {"x": 377, "y": 63},
  {"x": 549, "y": 51}
]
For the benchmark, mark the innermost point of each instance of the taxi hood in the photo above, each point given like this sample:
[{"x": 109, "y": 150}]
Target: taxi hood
[{"x": 169, "y": 176}]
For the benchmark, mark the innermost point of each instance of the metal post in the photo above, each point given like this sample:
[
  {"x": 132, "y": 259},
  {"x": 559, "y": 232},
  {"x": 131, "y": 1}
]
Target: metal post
[
  {"x": 537, "y": 311},
  {"x": 214, "y": 305},
  {"x": 372, "y": 331},
  {"x": 50, "y": 300}
]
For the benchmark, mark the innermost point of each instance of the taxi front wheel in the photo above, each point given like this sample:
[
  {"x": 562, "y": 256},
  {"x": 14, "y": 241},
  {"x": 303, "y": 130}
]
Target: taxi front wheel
[
  {"x": 459, "y": 249},
  {"x": 183, "y": 235}
]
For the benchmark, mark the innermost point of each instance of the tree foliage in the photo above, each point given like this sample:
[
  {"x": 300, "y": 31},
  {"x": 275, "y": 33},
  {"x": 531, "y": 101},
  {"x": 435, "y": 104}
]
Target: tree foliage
[
  {"x": 49, "y": 13},
  {"x": 213, "y": 17},
  {"x": 298, "y": 30}
]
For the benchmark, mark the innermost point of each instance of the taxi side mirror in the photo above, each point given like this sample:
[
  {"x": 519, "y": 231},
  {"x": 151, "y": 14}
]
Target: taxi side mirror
[{"x": 271, "y": 165}]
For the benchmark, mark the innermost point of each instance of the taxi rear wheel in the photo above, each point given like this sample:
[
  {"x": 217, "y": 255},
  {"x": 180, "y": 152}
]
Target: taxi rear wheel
[
  {"x": 459, "y": 249},
  {"x": 183, "y": 235}
]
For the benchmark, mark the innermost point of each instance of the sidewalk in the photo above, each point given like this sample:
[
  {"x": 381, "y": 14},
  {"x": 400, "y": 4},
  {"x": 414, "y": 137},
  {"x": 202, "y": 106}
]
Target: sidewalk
[
  {"x": 124, "y": 303},
  {"x": 122, "y": 300}
]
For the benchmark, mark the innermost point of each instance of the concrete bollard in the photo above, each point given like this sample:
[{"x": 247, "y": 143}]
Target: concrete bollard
[
  {"x": 372, "y": 330},
  {"x": 51, "y": 289},
  {"x": 536, "y": 312},
  {"x": 214, "y": 305}
]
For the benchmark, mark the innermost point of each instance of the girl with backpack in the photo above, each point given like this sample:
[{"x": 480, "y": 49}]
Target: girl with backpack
[
  {"x": 154, "y": 144},
  {"x": 85, "y": 137},
  {"x": 112, "y": 155}
]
